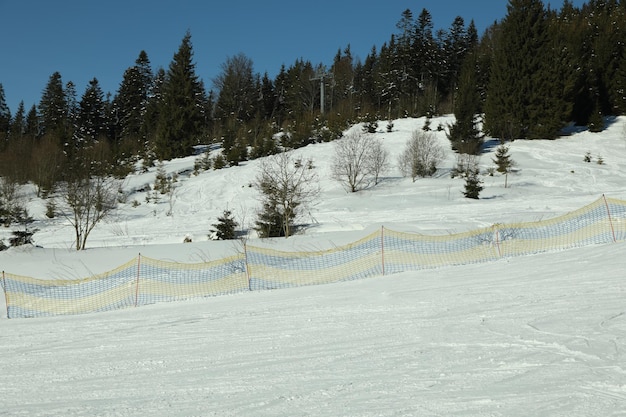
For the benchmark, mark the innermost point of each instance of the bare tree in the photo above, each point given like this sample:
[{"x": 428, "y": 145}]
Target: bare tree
[
  {"x": 379, "y": 161},
  {"x": 421, "y": 155},
  {"x": 358, "y": 161},
  {"x": 86, "y": 201},
  {"x": 287, "y": 185}
]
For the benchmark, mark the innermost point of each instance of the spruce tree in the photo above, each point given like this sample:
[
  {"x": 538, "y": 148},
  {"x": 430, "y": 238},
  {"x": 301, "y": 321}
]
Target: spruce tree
[
  {"x": 181, "y": 122},
  {"x": 428, "y": 56},
  {"x": 132, "y": 98},
  {"x": 620, "y": 86},
  {"x": 464, "y": 134},
  {"x": 31, "y": 127},
  {"x": 473, "y": 184},
  {"x": 71, "y": 109},
  {"x": 91, "y": 114},
  {"x": 549, "y": 106},
  {"x": 615, "y": 41},
  {"x": 504, "y": 162},
  {"x": 523, "y": 86},
  {"x": 269, "y": 102},
  {"x": 151, "y": 119},
  {"x": 5, "y": 115},
  {"x": 341, "y": 93},
  {"x": 18, "y": 124},
  {"x": 53, "y": 109},
  {"x": 455, "y": 48},
  {"x": 405, "y": 60},
  {"x": 225, "y": 228}
]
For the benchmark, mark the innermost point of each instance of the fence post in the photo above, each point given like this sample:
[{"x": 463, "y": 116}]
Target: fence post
[
  {"x": 382, "y": 247},
  {"x": 137, "y": 281},
  {"x": 497, "y": 236},
  {"x": 606, "y": 204},
  {"x": 245, "y": 257},
  {"x": 6, "y": 297}
]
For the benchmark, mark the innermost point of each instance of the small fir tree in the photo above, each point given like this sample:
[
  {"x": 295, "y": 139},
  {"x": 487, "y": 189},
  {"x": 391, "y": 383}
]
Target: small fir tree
[
  {"x": 161, "y": 182},
  {"x": 503, "y": 161},
  {"x": 225, "y": 227},
  {"x": 473, "y": 184},
  {"x": 219, "y": 162},
  {"x": 22, "y": 237}
]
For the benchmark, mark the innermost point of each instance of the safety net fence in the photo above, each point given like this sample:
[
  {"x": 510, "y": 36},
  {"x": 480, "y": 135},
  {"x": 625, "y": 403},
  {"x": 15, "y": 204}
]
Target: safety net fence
[{"x": 143, "y": 280}]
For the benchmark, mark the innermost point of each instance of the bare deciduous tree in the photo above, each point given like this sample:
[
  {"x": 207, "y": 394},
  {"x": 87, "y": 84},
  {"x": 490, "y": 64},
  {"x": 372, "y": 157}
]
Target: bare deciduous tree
[
  {"x": 287, "y": 185},
  {"x": 85, "y": 202},
  {"x": 358, "y": 161},
  {"x": 421, "y": 155},
  {"x": 379, "y": 161}
]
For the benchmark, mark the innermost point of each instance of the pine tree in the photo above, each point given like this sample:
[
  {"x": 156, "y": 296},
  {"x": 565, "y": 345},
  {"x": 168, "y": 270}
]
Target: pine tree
[
  {"x": 91, "y": 114},
  {"x": 615, "y": 75},
  {"x": 151, "y": 119},
  {"x": 132, "y": 98},
  {"x": 596, "y": 121},
  {"x": 428, "y": 56},
  {"x": 504, "y": 162},
  {"x": 181, "y": 121},
  {"x": 522, "y": 76},
  {"x": 464, "y": 134},
  {"x": 18, "y": 124},
  {"x": 5, "y": 115},
  {"x": 301, "y": 94},
  {"x": 71, "y": 109},
  {"x": 365, "y": 83},
  {"x": 473, "y": 184},
  {"x": 31, "y": 128},
  {"x": 269, "y": 100},
  {"x": 225, "y": 228},
  {"x": 620, "y": 86},
  {"x": 405, "y": 60},
  {"x": 342, "y": 86},
  {"x": 53, "y": 109},
  {"x": 503, "y": 159},
  {"x": 455, "y": 47},
  {"x": 551, "y": 101}
]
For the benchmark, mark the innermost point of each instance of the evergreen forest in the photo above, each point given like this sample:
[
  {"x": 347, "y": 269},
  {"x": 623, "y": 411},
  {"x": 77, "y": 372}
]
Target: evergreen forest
[{"x": 527, "y": 76}]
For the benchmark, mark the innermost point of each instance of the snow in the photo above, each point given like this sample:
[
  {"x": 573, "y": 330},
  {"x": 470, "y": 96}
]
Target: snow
[{"x": 540, "y": 335}]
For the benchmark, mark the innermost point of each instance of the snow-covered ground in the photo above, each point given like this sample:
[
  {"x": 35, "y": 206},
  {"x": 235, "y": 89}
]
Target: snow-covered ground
[{"x": 541, "y": 335}]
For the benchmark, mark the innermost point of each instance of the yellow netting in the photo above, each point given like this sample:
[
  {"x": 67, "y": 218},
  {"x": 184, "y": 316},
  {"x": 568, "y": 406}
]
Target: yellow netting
[
  {"x": 269, "y": 268},
  {"x": 145, "y": 281},
  {"x": 167, "y": 281},
  {"x": 30, "y": 297}
]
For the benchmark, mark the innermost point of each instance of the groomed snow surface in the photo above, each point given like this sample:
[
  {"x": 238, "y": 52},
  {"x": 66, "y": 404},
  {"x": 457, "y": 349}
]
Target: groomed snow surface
[{"x": 541, "y": 335}]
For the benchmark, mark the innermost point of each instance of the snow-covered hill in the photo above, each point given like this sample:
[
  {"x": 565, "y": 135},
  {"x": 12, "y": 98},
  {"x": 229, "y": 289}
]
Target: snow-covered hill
[{"x": 540, "y": 335}]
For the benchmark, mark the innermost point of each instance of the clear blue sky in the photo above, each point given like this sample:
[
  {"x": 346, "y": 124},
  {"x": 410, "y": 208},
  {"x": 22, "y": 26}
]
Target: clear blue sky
[{"x": 83, "y": 39}]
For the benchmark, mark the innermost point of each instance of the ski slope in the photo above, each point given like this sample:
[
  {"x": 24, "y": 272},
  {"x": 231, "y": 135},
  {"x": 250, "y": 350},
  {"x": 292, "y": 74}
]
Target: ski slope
[{"x": 541, "y": 335}]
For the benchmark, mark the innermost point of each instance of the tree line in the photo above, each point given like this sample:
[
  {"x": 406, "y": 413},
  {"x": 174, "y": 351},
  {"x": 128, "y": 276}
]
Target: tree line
[{"x": 527, "y": 76}]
